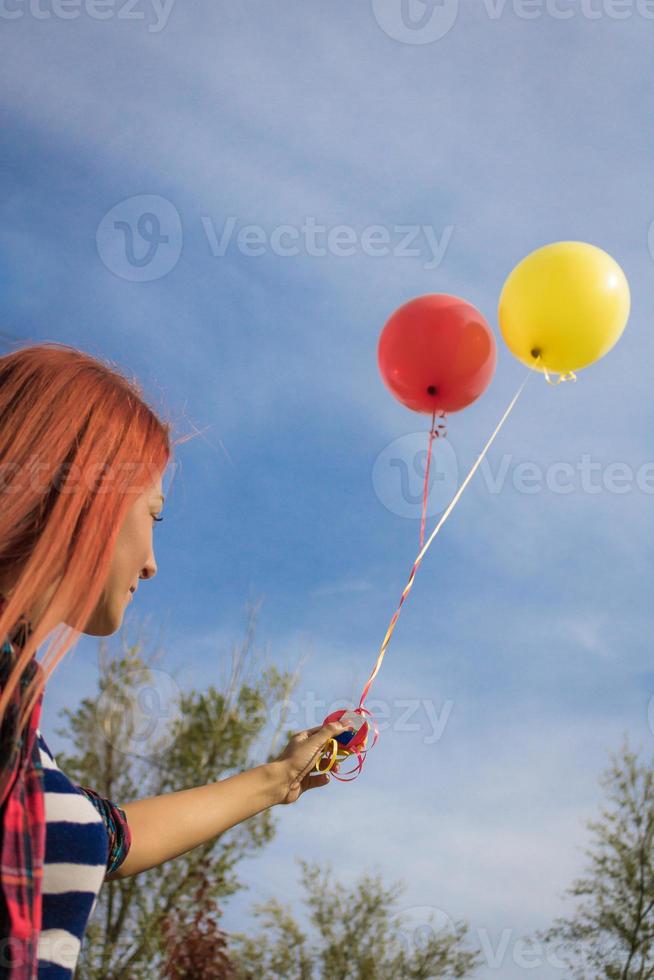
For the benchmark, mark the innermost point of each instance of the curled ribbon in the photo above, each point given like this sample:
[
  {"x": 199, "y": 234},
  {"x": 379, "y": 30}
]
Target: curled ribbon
[
  {"x": 335, "y": 752},
  {"x": 438, "y": 430},
  {"x": 567, "y": 376}
]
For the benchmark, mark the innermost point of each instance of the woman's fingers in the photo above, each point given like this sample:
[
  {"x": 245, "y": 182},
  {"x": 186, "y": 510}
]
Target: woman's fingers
[
  {"x": 307, "y": 748},
  {"x": 324, "y": 734},
  {"x": 317, "y": 743},
  {"x": 312, "y": 731},
  {"x": 311, "y": 781}
]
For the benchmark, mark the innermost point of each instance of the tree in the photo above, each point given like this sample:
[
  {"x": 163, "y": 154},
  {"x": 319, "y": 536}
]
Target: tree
[
  {"x": 196, "y": 948},
  {"x": 357, "y": 934},
  {"x": 191, "y": 739},
  {"x": 610, "y": 932}
]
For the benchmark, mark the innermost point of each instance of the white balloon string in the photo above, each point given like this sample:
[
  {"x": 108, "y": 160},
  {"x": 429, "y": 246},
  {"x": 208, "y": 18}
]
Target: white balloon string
[{"x": 440, "y": 524}]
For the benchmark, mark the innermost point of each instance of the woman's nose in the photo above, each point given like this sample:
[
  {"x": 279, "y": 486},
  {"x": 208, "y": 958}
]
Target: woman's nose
[{"x": 149, "y": 570}]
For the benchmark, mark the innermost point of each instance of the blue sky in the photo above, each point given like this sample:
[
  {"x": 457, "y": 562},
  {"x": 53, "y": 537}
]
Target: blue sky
[{"x": 531, "y": 614}]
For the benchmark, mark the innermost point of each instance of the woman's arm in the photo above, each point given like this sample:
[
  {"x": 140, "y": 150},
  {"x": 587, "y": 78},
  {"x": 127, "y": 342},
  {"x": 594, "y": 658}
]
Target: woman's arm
[{"x": 163, "y": 827}]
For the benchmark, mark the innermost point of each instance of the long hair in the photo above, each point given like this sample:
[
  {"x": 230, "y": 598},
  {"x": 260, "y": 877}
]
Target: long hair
[{"x": 78, "y": 443}]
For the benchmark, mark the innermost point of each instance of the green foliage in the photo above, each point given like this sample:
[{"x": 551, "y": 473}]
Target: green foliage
[
  {"x": 356, "y": 934},
  {"x": 208, "y": 736},
  {"x": 164, "y": 922},
  {"x": 610, "y": 932}
]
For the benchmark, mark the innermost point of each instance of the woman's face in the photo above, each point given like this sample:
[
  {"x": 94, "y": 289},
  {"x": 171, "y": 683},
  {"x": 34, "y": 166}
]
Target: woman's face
[{"x": 133, "y": 559}]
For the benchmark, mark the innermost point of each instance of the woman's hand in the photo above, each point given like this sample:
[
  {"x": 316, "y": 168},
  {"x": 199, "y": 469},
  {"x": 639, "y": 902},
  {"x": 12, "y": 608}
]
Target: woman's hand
[{"x": 300, "y": 756}]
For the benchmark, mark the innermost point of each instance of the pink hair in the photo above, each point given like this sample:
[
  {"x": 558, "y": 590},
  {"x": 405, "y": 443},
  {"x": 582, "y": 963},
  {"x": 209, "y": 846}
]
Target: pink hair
[{"x": 77, "y": 444}]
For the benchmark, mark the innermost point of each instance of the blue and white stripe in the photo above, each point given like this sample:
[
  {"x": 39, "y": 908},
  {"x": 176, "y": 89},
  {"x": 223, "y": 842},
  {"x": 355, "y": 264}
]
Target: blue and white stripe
[{"x": 76, "y": 853}]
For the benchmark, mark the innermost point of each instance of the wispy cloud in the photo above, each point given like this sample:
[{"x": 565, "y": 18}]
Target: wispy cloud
[{"x": 348, "y": 586}]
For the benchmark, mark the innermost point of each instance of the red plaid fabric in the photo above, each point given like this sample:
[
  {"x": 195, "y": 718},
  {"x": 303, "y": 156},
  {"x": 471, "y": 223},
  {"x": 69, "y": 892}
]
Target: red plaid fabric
[{"x": 22, "y": 823}]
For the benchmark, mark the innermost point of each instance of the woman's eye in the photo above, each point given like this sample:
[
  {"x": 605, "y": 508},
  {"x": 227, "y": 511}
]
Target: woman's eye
[{"x": 157, "y": 518}]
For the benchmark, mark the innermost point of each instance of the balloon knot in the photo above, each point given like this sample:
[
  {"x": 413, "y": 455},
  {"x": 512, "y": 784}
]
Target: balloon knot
[{"x": 439, "y": 429}]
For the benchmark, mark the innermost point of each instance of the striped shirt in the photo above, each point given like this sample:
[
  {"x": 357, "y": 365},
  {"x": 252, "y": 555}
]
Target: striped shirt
[
  {"x": 85, "y": 840},
  {"x": 58, "y": 840}
]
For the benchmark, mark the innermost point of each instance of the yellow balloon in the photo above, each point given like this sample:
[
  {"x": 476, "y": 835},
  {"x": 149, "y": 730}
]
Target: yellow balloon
[{"x": 567, "y": 302}]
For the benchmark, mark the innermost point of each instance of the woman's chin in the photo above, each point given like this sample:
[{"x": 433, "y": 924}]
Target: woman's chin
[{"x": 106, "y": 619}]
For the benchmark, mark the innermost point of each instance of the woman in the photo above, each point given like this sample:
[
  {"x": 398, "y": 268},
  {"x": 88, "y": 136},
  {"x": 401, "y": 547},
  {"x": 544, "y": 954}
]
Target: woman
[{"x": 82, "y": 458}]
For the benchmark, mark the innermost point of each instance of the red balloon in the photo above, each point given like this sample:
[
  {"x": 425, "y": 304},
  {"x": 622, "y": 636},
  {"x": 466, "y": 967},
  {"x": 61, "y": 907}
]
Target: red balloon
[{"x": 437, "y": 352}]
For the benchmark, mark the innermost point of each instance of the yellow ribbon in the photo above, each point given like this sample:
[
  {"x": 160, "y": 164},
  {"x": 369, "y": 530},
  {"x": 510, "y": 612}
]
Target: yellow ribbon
[
  {"x": 333, "y": 745},
  {"x": 338, "y": 754}
]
